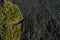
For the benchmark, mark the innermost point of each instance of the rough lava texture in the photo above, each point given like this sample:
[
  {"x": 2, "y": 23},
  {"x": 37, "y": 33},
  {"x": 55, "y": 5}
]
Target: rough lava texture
[{"x": 41, "y": 19}]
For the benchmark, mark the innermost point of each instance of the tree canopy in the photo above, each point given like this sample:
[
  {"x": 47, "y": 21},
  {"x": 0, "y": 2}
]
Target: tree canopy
[{"x": 10, "y": 14}]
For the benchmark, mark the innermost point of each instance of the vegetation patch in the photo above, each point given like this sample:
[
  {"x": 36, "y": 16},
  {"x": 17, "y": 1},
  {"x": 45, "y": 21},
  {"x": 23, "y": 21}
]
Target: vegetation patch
[{"x": 10, "y": 14}]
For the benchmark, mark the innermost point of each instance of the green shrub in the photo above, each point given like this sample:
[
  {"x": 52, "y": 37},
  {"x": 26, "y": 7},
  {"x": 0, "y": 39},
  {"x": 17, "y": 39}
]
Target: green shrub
[{"x": 10, "y": 14}]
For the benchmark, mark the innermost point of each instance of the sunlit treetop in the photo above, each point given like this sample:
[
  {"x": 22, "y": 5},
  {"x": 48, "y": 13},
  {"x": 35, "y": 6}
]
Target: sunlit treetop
[{"x": 10, "y": 13}]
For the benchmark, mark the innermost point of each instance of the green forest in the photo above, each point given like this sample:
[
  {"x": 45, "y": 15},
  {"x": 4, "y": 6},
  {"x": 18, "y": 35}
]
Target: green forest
[{"x": 10, "y": 15}]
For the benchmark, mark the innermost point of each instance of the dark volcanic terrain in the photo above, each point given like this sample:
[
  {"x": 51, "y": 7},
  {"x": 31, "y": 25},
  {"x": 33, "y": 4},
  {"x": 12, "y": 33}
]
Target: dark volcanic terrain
[{"x": 41, "y": 19}]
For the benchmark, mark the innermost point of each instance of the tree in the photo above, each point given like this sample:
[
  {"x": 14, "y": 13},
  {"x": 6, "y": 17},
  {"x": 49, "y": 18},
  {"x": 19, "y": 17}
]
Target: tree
[{"x": 10, "y": 14}]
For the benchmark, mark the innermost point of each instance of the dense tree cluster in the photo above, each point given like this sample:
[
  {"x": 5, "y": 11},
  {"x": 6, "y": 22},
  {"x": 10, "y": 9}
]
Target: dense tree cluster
[{"x": 10, "y": 14}]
